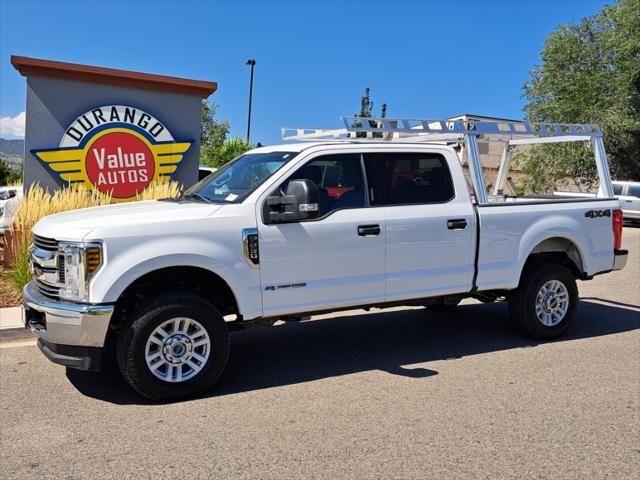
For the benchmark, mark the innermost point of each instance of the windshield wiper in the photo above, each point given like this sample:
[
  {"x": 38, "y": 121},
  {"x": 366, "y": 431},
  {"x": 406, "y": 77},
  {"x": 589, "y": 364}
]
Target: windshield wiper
[{"x": 198, "y": 196}]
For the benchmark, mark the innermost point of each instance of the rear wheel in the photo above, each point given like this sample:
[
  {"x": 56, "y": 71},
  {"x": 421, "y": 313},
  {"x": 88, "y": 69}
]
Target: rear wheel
[
  {"x": 545, "y": 303},
  {"x": 176, "y": 347}
]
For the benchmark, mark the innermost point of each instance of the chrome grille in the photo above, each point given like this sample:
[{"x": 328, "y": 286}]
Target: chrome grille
[
  {"x": 61, "y": 277},
  {"x": 48, "y": 266},
  {"x": 47, "y": 290},
  {"x": 45, "y": 243}
]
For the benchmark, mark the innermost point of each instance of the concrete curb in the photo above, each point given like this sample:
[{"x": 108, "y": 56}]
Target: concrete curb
[
  {"x": 11, "y": 328},
  {"x": 10, "y": 317},
  {"x": 11, "y": 335}
]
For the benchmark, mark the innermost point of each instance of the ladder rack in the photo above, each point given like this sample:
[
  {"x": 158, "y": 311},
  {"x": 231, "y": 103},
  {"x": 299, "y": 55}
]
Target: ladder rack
[
  {"x": 414, "y": 130},
  {"x": 402, "y": 129}
]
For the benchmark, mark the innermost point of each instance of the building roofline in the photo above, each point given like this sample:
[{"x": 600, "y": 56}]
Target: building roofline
[
  {"x": 485, "y": 116},
  {"x": 111, "y": 76}
]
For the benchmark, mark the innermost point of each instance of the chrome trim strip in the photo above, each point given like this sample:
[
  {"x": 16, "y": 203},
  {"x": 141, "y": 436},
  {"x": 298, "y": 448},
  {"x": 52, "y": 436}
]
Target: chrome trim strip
[
  {"x": 44, "y": 258},
  {"x": 36, "y": 300}
]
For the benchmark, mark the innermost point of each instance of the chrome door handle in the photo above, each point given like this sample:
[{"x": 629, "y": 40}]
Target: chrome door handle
[
  {"x": 368, "y": 230},
  {"x": 457, "y": 224}
]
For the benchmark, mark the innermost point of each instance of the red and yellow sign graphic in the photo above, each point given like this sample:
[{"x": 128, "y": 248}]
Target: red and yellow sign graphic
[{"x": 117, "y": 151}]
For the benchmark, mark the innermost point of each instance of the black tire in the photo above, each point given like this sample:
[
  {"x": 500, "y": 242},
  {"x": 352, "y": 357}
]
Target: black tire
[
  {"x": 522, "y": 301},
  {"x": 152, "y": 313},
  {"x": 442, "y": 307}
]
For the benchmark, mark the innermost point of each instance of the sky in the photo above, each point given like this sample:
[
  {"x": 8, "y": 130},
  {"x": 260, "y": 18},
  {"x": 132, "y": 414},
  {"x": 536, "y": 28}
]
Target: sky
[{"x": 429, "y": 59}]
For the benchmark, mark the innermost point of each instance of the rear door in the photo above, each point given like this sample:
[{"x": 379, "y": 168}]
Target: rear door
[{"x": 430, "y": 223}]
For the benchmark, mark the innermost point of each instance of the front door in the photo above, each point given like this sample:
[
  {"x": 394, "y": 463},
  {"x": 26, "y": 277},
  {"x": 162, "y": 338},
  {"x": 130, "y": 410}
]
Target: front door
[{"x": 335, "y": 260}]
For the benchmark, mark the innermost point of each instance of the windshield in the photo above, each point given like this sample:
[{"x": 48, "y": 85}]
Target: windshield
[{"x": 235, "y": 181}]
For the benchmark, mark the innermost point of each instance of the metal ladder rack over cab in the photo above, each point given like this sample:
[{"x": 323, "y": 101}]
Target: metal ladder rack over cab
[{"x": 468, "y": 133}]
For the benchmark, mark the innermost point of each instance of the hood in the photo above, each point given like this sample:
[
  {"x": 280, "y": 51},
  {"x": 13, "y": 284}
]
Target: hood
[{"x": 76, "y": 225}]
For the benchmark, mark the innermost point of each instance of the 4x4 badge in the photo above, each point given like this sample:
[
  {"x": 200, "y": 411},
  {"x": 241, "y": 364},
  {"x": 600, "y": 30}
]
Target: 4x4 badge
[{"x": 598, "y": 213}]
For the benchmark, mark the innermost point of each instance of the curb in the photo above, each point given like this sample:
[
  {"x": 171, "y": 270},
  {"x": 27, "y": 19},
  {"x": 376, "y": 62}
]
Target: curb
[
  {"x": 10, "y": 317},
  {"x": 9, "y": 335},
  {"x": 11, "y": 328}
]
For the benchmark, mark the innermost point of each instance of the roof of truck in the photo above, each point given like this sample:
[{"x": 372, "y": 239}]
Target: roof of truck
[{"x": 300, "y": 146}]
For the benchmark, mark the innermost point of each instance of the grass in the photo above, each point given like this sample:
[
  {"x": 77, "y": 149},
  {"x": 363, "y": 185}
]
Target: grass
[
  {"x": 9, "y": 296},
  {"x": 38, "y": 203}
]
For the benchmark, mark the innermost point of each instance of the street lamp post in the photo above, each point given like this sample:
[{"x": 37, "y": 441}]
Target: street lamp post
[{"x": 251, "y": 62}]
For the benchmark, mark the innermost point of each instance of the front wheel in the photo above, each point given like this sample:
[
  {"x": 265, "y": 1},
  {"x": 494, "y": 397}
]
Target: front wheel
[
  {"x": 545, "y": 304},
  {"x": 175, "y": 347}
]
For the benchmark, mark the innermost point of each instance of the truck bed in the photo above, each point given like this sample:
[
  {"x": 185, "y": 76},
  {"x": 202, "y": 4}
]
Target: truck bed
[{"x": 511, "y": 230}]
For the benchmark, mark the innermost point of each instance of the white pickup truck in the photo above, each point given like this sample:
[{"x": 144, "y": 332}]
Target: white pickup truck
[{"x": 288, "y": 230}]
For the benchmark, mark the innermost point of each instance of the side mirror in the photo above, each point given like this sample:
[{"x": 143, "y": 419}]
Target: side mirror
[{"x": 299, "y": 203}]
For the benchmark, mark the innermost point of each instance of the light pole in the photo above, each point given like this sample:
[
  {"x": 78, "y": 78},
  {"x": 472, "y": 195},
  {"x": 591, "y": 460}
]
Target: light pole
[{"x": 251, "y": 62}]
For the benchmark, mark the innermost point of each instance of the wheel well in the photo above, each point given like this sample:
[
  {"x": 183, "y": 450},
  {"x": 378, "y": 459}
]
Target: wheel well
[
  {"x": 198, "y": 281},
  {"x": 558, "y": 250}
]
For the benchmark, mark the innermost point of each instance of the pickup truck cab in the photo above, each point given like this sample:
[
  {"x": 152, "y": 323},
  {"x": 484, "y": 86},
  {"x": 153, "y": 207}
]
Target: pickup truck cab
[{"x": 288, "y": 230}]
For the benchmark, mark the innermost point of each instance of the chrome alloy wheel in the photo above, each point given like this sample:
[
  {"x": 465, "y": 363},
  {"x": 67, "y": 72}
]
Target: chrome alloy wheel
[
  {"x": 552, "y": 303},
  {"x": 177, "y": 349}
]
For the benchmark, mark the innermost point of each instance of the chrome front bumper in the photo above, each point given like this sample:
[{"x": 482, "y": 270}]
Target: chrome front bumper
[
  {"x": 64, "y": 323},
  {"x": 620, "y": 259}
]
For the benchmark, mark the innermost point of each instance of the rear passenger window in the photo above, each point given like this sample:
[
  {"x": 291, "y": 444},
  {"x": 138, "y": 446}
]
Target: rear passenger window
[{"x": 408, "y": 178}]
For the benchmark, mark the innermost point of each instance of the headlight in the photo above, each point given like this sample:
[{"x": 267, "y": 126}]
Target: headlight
[{"x": 81, "y": 261}]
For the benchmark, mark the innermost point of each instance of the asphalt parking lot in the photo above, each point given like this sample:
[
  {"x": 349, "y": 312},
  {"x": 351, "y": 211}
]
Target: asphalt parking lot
[{"x": 390, "y": 394}]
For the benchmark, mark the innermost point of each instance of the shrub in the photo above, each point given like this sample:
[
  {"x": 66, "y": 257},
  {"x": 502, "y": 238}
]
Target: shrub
[{"x": 223, "y": 154}]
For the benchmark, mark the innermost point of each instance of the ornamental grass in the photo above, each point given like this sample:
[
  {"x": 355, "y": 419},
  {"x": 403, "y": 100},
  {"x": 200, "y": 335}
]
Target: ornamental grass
[{"x": 38, "y": 202}]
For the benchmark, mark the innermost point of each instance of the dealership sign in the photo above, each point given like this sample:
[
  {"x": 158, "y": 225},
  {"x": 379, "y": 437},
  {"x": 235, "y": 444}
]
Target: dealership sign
[{"x": 115, "y": 151}]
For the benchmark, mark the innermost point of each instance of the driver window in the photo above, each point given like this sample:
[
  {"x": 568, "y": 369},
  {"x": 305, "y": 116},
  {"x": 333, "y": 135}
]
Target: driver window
[{"x": 339, "y": 179}]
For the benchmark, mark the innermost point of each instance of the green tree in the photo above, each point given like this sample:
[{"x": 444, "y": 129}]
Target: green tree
[
  {"x": 230, "y": 149},
  {"x": 213, "y": 132},
  {"x": 589, "y": 73},
  {"x": 7, "y": 175},
  {"x": 366, "y": 108}
]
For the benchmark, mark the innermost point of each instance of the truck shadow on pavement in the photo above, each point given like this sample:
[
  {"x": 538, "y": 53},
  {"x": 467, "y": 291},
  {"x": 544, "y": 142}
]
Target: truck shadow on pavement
[{"x": 386, "y": 341}]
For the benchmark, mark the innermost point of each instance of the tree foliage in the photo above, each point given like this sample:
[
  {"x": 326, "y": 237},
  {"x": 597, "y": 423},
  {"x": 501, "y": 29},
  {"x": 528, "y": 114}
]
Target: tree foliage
[
  {"x": 215, "y": 148},
  {"x": 8, "y": 176},
  {"x": 213, "y": 131},
  {"x": 366, "y": 106},
  {"x": 590, "y": 73},
  {"x": 230, "y": 149},
  {"x": 366, "y": 109}
]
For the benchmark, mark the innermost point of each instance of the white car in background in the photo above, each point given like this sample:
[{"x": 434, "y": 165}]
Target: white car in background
[
  {"x": 629, "y": 194},
  {"x": 10, "y": 198},
  {"x": 204, "y": 171}
]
